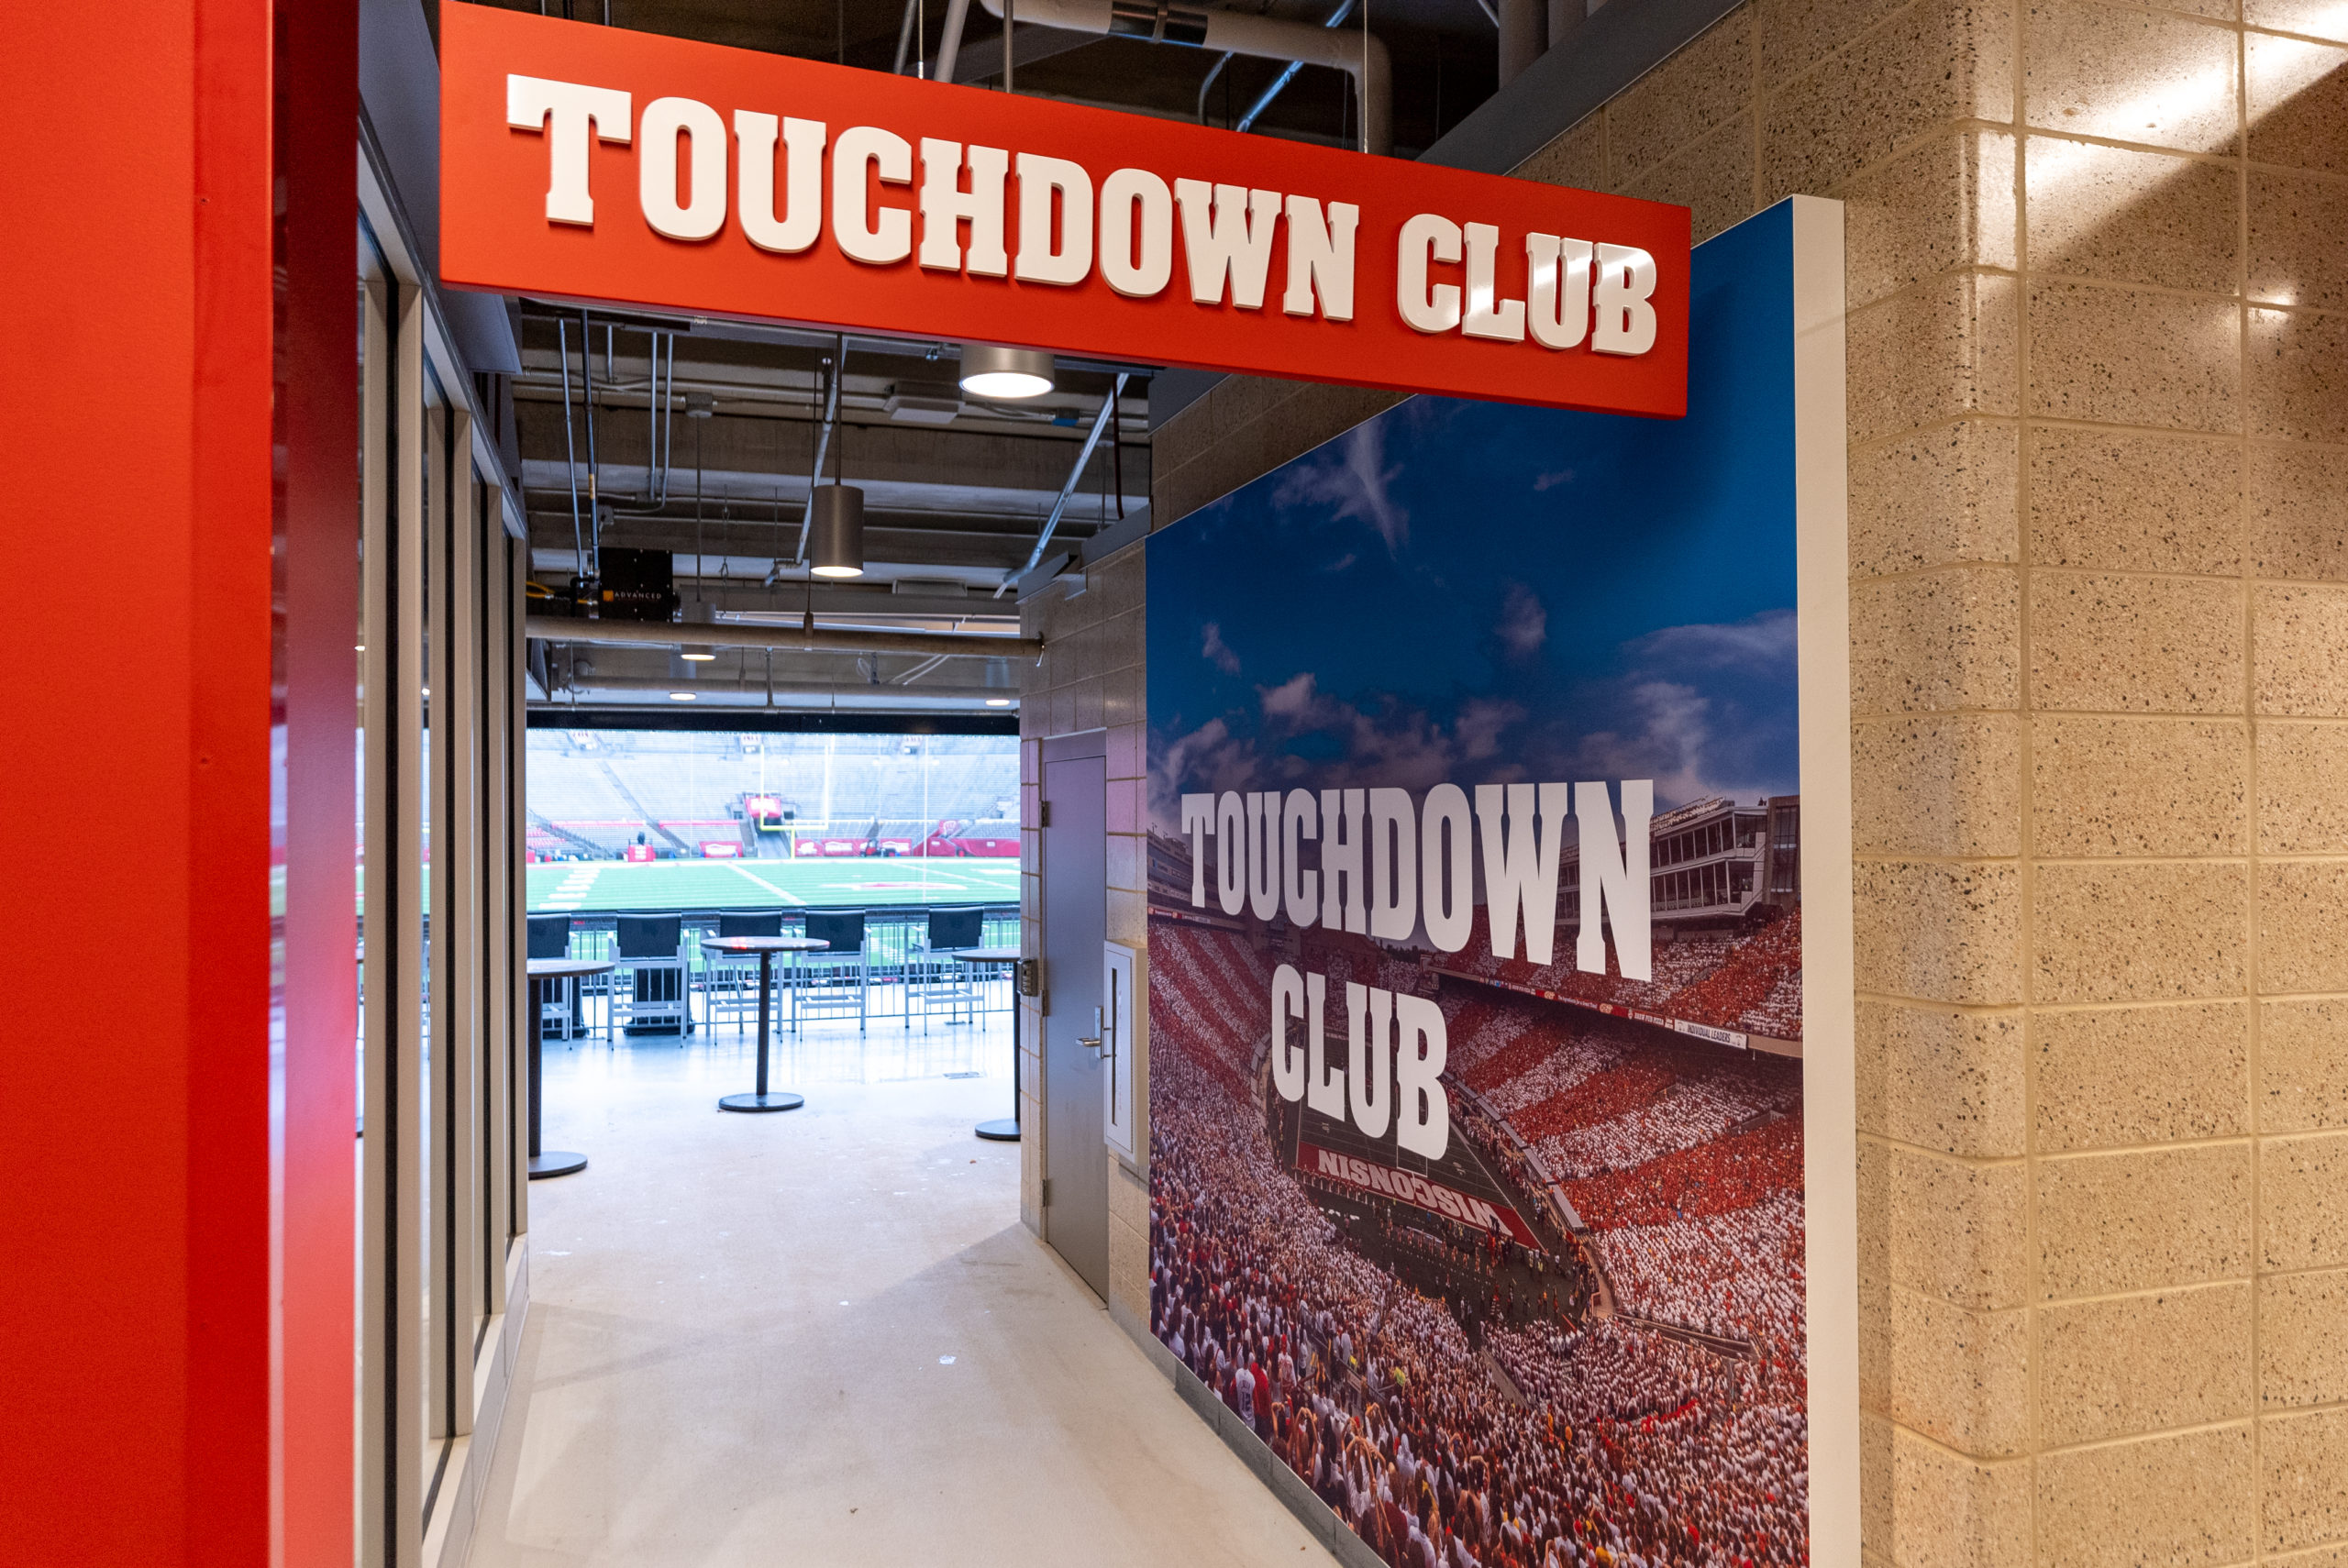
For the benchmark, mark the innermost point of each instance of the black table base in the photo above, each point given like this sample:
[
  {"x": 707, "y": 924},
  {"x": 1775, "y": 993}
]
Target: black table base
[
  {"x": 1006, "y": 1129},
  {"x": 556, "y": 1162},
  {"x": 763, "y": 1100},
  {"x": 781, "y": 1100},
  {"x": 544, "y": 1162}
]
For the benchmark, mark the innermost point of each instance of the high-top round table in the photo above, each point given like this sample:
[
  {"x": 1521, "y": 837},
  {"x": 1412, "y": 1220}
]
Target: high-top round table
[
  {"x": 544, "y": 971},
  {"x": 1003, "y": 1130},
  {"x": 766, "y": 947}
]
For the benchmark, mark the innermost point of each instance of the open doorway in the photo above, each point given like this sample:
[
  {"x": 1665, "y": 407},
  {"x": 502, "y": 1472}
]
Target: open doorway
[{"x": 863, "y": 869}]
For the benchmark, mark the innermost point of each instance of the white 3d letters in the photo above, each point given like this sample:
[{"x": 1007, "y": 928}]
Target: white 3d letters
[
  {"x": 532, "y": 101},
  {"x": 1046, "y": 183},
  {"x": 875, "y": 235},
  {"x": 1623, "y": 294},
  {"x": 1427, "y": 237},
  {"x": 1227, "y": 231},
  {"x": 946, "y": 206},
  {"x": 666, "y": 122},
  {"x": 803, "y": 214},
  {"x": 1320, "y": 259}
]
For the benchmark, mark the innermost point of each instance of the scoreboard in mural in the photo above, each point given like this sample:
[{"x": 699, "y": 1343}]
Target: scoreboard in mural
[{"x": 1499, "y": 1073}]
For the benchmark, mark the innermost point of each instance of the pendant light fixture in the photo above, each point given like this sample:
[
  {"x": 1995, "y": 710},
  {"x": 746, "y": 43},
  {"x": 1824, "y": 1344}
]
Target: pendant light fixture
[
  {"x": 836, "y": 521},
  {"x": 836, "y": 539},
  {"x": 989, "y": 371},
  {"x": 700, "y": 612}
]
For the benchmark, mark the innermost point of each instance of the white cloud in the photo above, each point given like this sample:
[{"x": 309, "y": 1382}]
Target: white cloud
[
  {"x": 1554, "y": 478},
  {"x": 1524, "y": 624},
  {"x": 1668, "y": 745},
  {"x": 1393, "y": 744},
  {"x": 1218, "y": 651},
  {"x": 1209, "y": 757},
  {"x": 1701, "y": 709},
  {"x": 1693, "y": 744},
  {"x": 1765, "y": 639},
  {"x": 1350, "y": 477},
  {"x": 1290, "y": 701}
]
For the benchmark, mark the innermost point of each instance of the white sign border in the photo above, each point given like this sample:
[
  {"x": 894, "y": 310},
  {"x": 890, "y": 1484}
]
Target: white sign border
[{"x": 1830, "y": 1099}]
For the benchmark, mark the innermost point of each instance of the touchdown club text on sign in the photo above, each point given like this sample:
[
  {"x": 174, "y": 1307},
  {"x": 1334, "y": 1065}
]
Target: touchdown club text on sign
[{"x": 593, "y": 164}]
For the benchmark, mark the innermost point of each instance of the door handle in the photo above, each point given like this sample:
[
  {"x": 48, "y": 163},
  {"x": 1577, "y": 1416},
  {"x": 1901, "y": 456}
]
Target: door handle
[{"x": 1089, "y": 1041}]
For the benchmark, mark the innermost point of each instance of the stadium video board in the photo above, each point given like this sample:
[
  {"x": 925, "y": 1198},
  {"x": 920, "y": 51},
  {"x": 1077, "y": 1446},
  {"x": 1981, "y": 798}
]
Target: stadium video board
[{"x": 1500, "y": 1057}]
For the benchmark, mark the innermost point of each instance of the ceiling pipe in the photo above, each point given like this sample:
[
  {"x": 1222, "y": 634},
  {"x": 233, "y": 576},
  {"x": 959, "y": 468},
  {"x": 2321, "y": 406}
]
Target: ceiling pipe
[
  {"x": 950, "y": 48},
  {"x": 1247, "y": 121},
  {"x": 821, "y": 639},
  {"x": 1076, "y": 472},
  {"x": 1360, "y": 56},
  {"x": 711, "y": 689},
  {"x": 823, "y": 444},
  {"x": 904, "y": 37},
  {"x": 1522, "y": 24}
]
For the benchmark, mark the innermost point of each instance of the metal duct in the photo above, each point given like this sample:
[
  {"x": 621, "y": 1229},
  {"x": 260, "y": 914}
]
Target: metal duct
[
  {"x": 950, "y": 48},
  {"x": 822, "y": 639},
  {"x": 1360, "y": 56},
  {"x": 1522, "y": 24},
  {"x": 798, "y": 688}
]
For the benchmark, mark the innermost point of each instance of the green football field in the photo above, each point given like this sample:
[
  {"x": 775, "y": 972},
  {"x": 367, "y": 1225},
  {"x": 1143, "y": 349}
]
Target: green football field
[{"x": 599, "y": 885}]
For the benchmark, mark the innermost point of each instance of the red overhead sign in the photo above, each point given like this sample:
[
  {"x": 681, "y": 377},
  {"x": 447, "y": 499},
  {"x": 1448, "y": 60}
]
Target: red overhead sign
[{"x": 594, "y": 164}]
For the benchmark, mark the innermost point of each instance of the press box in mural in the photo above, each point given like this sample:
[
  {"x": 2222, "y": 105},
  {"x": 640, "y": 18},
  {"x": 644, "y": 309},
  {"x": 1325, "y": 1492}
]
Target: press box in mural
[{"x": 1476, "y": 963}]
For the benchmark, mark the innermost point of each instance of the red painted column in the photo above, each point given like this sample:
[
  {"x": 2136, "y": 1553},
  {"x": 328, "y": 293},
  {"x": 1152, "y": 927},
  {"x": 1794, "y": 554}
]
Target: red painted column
[
  {"x": 315, "y": 524},
  {"x": 165, "y": 1352}
]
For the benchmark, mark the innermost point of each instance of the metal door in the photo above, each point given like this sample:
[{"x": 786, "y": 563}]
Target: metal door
[{"x": 1076, "y": 914}]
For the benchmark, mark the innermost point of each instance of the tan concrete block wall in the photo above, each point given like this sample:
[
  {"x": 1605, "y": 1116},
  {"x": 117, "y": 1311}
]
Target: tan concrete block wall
[{"x": 2098, "y": 262}]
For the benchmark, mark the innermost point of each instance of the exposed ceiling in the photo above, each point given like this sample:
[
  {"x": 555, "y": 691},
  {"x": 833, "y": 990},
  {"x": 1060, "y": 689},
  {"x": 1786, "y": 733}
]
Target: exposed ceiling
[
  {"x": 1445, "y": 51},
  {"x": 957, "y": 489}
]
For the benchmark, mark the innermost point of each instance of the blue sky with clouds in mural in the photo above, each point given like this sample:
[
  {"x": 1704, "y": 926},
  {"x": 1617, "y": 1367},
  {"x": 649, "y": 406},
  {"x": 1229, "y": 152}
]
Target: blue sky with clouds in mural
[{"x": 1484, "y": 592}]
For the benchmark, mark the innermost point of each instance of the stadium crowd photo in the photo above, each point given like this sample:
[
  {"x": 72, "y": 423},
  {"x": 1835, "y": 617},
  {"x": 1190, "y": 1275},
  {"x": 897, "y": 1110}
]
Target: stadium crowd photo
[{"x": 1621, "y": 1381}]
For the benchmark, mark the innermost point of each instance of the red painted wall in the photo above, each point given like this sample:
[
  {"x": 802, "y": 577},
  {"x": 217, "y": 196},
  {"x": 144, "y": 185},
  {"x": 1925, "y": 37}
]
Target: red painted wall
[{"x": 138, "y": 1151}]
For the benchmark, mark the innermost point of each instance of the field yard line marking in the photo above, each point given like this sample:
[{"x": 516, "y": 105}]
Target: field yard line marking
[{"x": 741, "y": 870}]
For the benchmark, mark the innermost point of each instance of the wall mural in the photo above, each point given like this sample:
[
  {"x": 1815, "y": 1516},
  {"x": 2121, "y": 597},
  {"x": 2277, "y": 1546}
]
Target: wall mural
[{"x": 1476, "y": 965}]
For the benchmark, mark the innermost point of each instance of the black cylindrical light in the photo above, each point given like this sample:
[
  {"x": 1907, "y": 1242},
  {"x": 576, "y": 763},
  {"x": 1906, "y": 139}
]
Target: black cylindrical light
[
  {"x": 835, "y": 531},
  {"x": 700, "y": 612}
]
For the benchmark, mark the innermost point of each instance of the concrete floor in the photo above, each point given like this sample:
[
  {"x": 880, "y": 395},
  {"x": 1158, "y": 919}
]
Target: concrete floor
[{"x": 822, "y": 1336}]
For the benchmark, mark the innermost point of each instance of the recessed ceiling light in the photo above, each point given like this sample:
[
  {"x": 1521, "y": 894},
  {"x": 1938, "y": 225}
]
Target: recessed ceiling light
[
  {"x": 681, "y": 696},
  {"x": 998, "y": 701}
]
